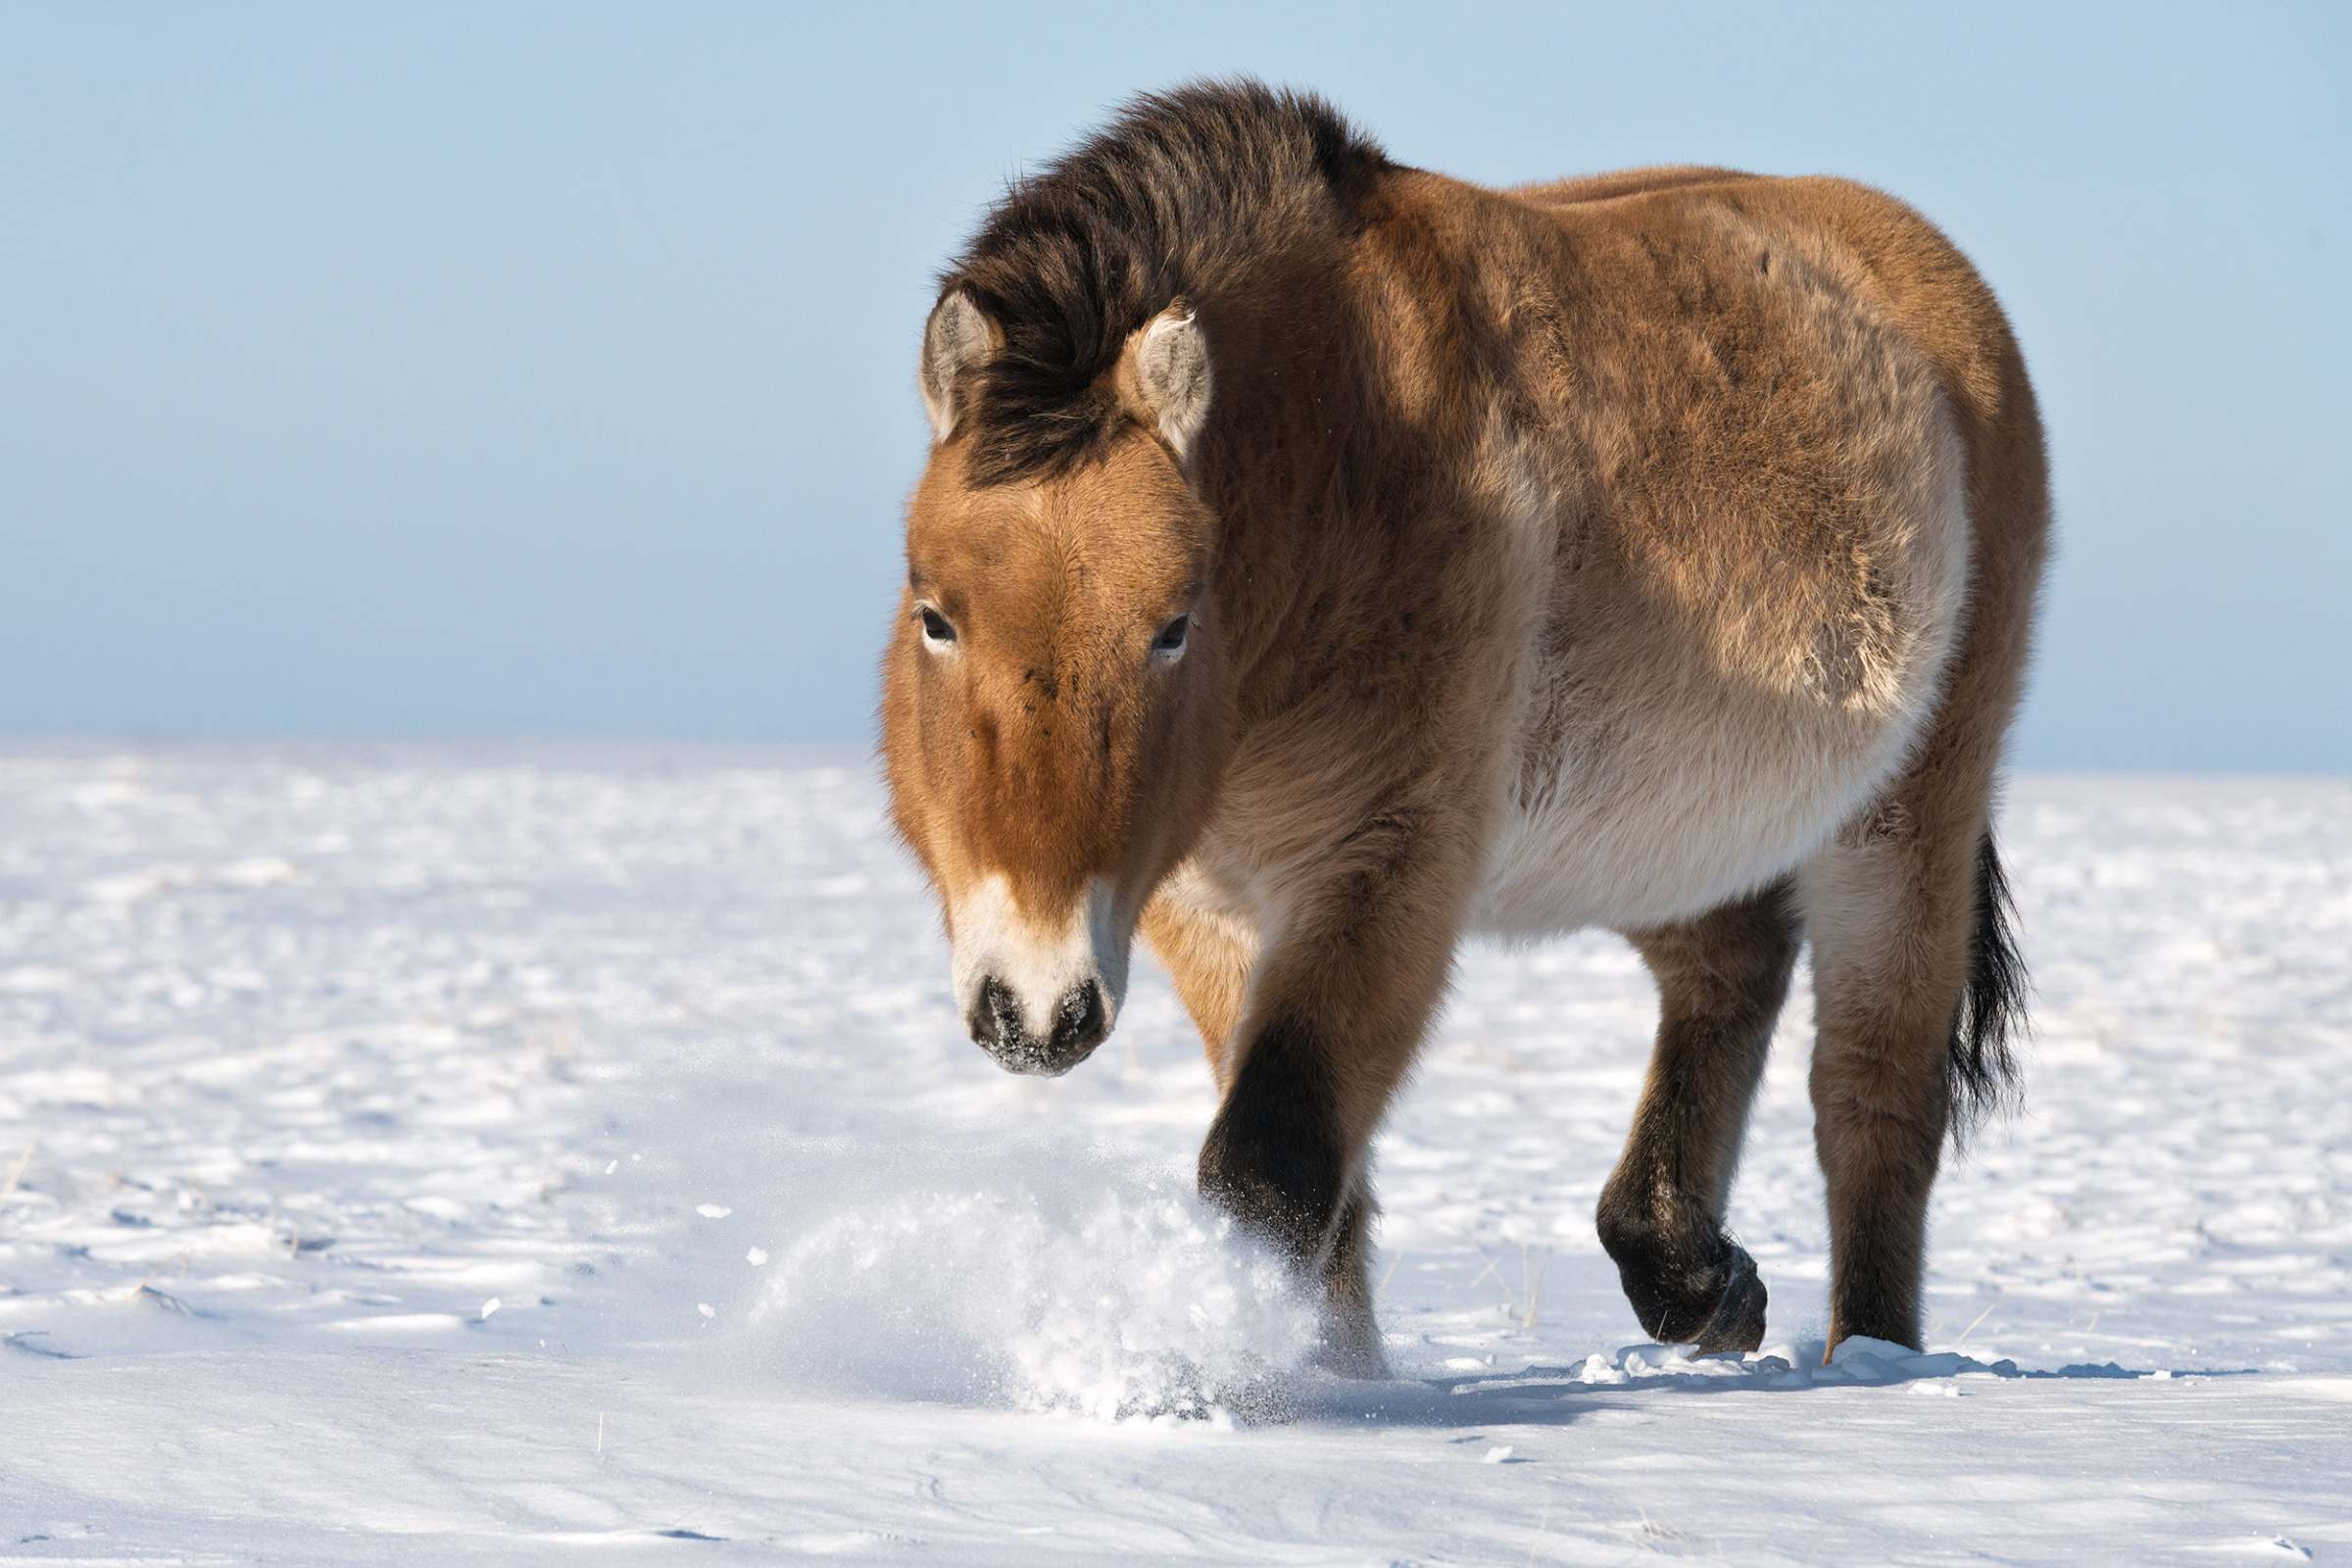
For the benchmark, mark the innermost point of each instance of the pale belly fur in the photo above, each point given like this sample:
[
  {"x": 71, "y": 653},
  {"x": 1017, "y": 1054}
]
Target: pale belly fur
[
  {"x": 1622, "y": 843},
  {"x": 1635, "y": 799}
]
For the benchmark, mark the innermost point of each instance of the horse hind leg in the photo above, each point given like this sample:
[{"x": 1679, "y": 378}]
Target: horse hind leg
[
  {"x": 1917, "y": 985},
  {"x": 1721, "y": 981}
]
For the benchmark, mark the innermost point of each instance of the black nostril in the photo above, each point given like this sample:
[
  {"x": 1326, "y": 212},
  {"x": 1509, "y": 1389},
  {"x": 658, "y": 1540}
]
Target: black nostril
[
  {"x": 1078, "y": 1025},
  {"x": 995, "y": 1019}
]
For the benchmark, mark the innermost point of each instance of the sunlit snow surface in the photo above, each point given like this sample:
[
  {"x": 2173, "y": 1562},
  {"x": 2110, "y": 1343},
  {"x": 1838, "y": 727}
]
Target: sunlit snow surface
[{"x": 420, "y": 1153}]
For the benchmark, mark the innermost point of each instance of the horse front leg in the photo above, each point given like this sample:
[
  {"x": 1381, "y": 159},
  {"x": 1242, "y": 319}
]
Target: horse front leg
[
  {"x": 1209, "y": 953},
  {"x": 1721, "y": 981},
  {"x": 1338, "y": 1008}
]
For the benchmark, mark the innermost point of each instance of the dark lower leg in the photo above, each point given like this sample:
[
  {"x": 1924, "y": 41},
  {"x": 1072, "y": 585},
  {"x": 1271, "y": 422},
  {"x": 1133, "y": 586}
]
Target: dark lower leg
[
  {"x": 1351, "y": 1335},
  {"x": 1721, "y": 983},
  {"x": 1879, "y": 1167},
  {"x": 1275, "y": 1158}
]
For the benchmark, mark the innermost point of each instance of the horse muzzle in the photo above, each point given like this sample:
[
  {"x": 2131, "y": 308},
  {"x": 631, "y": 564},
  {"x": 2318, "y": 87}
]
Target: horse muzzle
[
  {"x": 1080, "y": 1021},
  {"x": 1039, "y": 994}
]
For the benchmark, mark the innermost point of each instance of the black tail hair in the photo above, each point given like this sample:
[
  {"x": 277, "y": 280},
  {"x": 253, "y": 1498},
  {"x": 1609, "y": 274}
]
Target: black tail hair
[{"x": 1980, "y": 1067}]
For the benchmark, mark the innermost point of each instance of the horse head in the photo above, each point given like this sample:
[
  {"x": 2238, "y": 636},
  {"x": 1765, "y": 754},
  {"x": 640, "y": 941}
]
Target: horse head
[{"x": 1051, "y": 691}]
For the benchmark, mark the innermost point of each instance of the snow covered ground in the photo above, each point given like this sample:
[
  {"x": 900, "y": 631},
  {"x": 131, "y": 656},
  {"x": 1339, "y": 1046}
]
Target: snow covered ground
[{"x": 520, "y": 1153}]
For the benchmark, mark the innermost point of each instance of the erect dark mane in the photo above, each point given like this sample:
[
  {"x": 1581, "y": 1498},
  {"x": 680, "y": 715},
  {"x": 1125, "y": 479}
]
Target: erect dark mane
[{"x": 1155, "y": 206}]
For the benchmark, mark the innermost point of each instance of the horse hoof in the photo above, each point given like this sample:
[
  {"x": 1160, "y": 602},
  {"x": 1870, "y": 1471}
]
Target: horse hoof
[
  {"x": 1717, "y": 1306},
  {"x": 1738, "y": 1320},
  {"x": 1351, "y": 1349}
]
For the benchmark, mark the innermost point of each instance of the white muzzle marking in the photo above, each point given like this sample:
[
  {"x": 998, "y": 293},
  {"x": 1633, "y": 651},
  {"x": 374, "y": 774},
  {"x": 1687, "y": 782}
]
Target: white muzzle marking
[{"x": 1039, "y": 964}]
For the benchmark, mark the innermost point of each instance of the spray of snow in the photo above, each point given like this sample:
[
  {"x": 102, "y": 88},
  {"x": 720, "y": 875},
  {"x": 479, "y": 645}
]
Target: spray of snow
[{"x": 1043, "y": 1281}]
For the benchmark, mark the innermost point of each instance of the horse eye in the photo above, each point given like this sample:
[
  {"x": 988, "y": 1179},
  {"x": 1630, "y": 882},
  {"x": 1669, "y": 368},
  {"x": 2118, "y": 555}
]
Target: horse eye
[
  {"x": 935, "y": 626},
  {"x": 1171, "y": 636}
]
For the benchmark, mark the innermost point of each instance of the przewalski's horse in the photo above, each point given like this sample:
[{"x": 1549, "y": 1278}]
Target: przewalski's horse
[{"x": 1320, "y": 559}]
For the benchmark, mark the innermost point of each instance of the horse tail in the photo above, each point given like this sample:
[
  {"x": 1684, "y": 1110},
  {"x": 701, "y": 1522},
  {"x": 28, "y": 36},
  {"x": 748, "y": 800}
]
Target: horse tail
[{"x": 1980, "y": 1065}]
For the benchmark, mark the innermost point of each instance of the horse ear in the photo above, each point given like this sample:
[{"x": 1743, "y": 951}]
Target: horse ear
[
  {"x": 1171, "y": 375},
  {"x": 958, "y": 336}
]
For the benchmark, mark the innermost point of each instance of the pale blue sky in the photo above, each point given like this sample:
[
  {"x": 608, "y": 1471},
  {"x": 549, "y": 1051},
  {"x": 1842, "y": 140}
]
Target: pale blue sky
[{"x": 498, "y": 370}]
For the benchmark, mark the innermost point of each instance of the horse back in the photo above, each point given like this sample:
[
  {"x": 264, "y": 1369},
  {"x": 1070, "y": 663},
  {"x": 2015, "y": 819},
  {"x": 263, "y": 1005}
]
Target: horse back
[{"x": 1776, "y": 441}]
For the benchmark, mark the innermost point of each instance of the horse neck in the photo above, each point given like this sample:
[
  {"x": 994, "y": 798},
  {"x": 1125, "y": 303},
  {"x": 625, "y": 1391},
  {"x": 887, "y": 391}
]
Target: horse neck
[{"x": 1291, "y": 399}]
